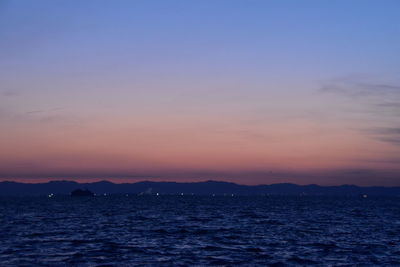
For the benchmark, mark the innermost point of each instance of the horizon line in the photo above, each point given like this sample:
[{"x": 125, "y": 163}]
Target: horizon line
[{"x": 195, "y": 182}]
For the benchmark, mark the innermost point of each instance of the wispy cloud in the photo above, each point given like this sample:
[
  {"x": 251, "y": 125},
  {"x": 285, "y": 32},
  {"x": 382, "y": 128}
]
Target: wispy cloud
[
  {"x": 34, "y": 111},
  {"x": 380, "y": 102},
  {"x": 39, "y": 111},
  {"x": 384, "y": 160},
  {"x": 389, "y": 134},
  {"x": 9, "y": 93},
  {"x": 389, "y": 108},
  {"x": 391, "y": 105},
  {"x": 57, "y": 115},
  {"x": 354, "y": 87}
]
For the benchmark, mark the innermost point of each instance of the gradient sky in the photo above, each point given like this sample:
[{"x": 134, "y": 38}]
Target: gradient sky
[{"x": 243, "y": 91}]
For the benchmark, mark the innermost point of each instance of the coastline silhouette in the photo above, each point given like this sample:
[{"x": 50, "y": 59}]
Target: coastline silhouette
[{"x": 197, "y": 188}]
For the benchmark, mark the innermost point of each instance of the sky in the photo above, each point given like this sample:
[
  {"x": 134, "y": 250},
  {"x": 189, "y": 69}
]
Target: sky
[{"x": 251, "y": 92}]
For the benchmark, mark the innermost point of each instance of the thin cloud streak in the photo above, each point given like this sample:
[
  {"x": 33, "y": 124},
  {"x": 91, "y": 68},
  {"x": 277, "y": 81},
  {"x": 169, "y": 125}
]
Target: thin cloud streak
[
  {"x": 365, "y": 92},
  {"x": 353, "y": 87},
  {"x": 388, "y": 135},
  {"x": 9, "y": 93}
]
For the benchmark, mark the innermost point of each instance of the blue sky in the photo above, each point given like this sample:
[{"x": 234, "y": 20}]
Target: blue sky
[{"x": 224, "y": 88}]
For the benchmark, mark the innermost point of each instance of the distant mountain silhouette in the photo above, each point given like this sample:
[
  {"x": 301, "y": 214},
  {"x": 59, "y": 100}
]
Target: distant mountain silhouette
[{"x": 198, "y": 188}]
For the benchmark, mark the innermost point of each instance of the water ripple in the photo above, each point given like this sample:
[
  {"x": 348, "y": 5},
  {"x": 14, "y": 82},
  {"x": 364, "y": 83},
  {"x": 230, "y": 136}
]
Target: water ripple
[{"x": 194, "y": 230}]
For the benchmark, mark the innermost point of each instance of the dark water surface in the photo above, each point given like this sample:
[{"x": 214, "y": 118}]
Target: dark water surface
[{"x": 199, "y": 230}]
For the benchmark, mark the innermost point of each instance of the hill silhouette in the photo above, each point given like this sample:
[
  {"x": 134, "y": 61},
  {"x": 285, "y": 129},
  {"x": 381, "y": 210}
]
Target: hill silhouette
[{"x": 197, "y": 188}]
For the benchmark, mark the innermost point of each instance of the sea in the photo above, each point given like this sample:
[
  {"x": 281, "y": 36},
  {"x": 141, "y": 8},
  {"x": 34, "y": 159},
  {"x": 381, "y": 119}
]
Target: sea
[{"x": 189, "y": 230}]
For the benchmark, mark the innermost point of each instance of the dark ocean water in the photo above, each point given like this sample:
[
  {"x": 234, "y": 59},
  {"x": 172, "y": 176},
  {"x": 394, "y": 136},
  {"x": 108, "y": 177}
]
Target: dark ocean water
[{"x": 194, "y": 230}]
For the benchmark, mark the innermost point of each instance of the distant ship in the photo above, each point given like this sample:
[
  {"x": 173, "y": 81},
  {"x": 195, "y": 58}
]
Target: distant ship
[{"x": 82, "y": 193}]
